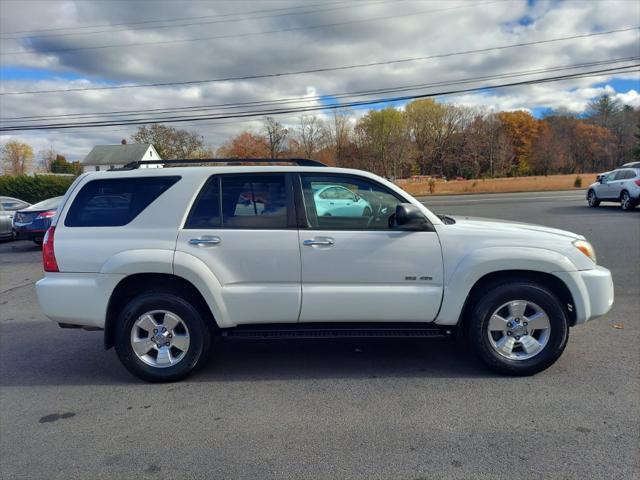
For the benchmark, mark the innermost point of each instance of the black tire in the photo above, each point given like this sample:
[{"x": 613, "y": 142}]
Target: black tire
[
  {"x": 592, "y": 199},
  {"x": 366, "y": 212},
  {"x": 626, "y": 202},
  {"x": 483, "y": 308},
  {"x": 199, "y": 336}
]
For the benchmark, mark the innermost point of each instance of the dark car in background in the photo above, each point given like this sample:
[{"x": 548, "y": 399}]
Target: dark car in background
[{"x": 32, "y": 223}]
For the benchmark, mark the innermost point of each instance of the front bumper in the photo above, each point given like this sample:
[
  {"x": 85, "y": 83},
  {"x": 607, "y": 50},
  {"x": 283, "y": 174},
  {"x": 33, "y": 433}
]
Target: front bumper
[{"x": 592, "y": 292}]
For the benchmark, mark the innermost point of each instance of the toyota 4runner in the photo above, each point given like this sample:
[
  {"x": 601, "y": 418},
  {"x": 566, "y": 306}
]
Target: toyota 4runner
[{"x": 165, "y": 260}]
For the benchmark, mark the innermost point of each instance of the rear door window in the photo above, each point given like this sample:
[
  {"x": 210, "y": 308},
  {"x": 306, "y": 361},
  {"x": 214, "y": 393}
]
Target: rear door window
[
  {"x": 258, "y": 201},
  {"x": 115, "y": 202},
  {"x": 254, "y": 201}
]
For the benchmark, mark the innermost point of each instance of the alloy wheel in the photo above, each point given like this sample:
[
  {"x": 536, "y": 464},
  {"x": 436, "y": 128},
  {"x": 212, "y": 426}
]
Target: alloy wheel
[
  {"x": 626, "y": 201},
  {"x": 160, "y": 338},
  {"x": 519, "y": 330}
]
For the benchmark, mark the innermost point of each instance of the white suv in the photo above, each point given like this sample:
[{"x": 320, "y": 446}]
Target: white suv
[{"x": 164, "y": 260}]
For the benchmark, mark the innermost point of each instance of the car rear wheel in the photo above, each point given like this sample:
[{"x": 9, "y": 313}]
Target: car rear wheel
[
  {"x": 518, "y": 328},
  {"x": 592, "y": 199},
  {"x": 626, "y": 202},
  {"x": 161, "y": 337}
]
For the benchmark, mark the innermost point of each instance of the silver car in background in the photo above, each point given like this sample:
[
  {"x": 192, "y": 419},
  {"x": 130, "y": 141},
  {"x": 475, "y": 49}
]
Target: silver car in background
[
  {"x": 8, "y": 207},
  {"x": 619, "y": 185}
]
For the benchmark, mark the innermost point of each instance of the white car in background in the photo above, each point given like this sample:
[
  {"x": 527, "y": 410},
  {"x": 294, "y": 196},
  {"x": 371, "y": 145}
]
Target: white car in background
[
  {"x": 337, "y": 200},
  {"x": 620, "y": 185}
]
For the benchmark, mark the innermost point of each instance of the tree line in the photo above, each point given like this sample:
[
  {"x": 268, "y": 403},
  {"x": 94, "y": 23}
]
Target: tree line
[
  {"x": 423, "y": 138},
  {"x": 436, "y": 139}
]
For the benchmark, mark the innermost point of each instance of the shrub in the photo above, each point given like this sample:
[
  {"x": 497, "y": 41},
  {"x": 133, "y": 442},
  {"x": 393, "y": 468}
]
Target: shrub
[
  {"x": 577, "y": 183},
  {"x": 432, "y": 185},
  {"x": 34, "y": 189}
]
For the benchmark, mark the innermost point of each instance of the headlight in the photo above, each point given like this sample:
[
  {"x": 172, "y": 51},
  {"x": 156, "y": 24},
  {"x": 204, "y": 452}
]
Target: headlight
[{"x": 586, "y": 248}]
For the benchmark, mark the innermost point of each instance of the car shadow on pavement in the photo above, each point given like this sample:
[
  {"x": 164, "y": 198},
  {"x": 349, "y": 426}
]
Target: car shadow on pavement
[{"x": 74, "y": 357}]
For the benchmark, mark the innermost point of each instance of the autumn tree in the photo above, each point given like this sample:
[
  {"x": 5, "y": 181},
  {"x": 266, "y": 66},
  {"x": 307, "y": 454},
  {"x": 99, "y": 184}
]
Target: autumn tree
[
  {"x": 47, "y": 157},
  {"x": 61, "y": 165},
  {"x": 636, "y": 148},
  {"x": 483, "y": 149},
  {"x": 522, "y": 129},
  {"x": 17, "y": 157},
  {"x": 311, "y": 132},
  {"x": 245, "y": 145},
  {"x": 276, "y": 135},
  {"x": 432, "y": 127},
  {"x": 604, "y": 111},
  {"x": 592, "y": 147},
  {"x": 383, "y": 133},
  {"x": 339, "y": 135},
  {"x": 170, "y": 142}
]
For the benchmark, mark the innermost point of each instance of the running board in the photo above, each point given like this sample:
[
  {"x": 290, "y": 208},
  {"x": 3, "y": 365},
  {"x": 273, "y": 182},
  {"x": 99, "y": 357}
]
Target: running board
[{"x": 296, "y": 330}]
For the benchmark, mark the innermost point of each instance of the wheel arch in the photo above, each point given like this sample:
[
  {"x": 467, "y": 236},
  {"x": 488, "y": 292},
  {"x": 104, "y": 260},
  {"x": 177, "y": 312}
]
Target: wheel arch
[
  {"x": 554, "y": 284},
  {"x": 135, "y": 284}
]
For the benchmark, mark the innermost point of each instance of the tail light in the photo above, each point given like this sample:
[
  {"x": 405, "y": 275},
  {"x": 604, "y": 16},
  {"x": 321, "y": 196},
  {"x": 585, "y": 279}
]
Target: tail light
[
  {"x": 48, "y": 253},
  {"x": 637, "y": 182},
  {"x": 47, "y": 214}
]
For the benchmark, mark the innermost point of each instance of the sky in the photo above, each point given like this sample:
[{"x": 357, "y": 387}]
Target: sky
[{"x": 71, "y": 44}]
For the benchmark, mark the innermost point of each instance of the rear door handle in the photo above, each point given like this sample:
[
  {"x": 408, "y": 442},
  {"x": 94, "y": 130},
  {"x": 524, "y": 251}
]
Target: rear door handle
[
  {"x": 204, "y": 241},
  {"x": 325, "y": 242}
]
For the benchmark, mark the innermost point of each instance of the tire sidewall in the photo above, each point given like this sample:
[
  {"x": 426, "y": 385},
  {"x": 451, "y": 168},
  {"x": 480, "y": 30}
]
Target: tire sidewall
[
  {"x": 198, "y": 336},
  {"x": 592, "y": 195},
  {"x": 502, "y": 294},
  {"x": 628, "y": 205}
]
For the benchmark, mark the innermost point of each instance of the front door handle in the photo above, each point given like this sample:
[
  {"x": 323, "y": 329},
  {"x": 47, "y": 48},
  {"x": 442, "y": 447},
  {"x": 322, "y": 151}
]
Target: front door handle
[
  {"x": 325, "y": 242},
  {"x": 204, "y": 241}
]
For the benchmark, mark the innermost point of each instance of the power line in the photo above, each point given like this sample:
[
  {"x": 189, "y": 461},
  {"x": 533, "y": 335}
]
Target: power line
[
  {"x": 208, "y": 22},
  {"x": 305, "y": 99},
  {"x": 249, "y": 34},
  {"x": 326, "y": 69},
  {"x": 334, "y": 106},
  {"x": 178, "y": 19}
]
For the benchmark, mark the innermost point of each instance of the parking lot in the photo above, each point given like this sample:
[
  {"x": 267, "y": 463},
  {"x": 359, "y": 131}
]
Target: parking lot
[{"x": 392, "y": 409}]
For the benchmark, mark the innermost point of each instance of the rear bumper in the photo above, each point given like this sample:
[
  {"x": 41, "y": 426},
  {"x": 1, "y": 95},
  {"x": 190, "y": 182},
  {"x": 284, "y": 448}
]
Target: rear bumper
[
  {"x": 33, "y": 230},
  {"x": 592, "y": 292},
  {"x": 76, "y": 298},
  {"x": 33, "y": 235}
]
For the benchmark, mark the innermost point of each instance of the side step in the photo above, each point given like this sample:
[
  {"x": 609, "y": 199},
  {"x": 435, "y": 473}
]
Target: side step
[{"x": 334, "y": 330}]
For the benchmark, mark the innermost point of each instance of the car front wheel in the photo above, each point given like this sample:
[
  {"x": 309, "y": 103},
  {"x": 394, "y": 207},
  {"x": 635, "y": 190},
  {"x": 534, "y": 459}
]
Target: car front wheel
[
  {"x": 518, "y": 328},
  {"x": 592, "y": 199},
  {"x": 161, "y": 337}
]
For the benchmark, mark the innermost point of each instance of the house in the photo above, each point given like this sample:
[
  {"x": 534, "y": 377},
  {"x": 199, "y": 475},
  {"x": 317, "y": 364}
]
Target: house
[{"x": 108, "y": 157}]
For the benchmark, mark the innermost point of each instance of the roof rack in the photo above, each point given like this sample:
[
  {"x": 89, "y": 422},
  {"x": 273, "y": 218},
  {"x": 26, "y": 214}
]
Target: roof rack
[{"x": 302, "y": 162}]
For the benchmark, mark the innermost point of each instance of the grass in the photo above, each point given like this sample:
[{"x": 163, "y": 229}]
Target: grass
[{"x": 498, "y": 185}]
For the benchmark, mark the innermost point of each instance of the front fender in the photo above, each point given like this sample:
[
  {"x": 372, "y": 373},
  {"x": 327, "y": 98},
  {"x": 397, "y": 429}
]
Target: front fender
[{"x": 484, "y": 261}]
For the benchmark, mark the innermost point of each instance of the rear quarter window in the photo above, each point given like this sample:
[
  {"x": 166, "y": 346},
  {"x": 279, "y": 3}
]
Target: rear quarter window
[{"x": 115, "y": 202}]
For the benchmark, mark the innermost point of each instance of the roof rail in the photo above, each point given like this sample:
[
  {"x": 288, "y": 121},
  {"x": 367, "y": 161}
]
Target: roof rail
[{"x": 302, "y": 162}]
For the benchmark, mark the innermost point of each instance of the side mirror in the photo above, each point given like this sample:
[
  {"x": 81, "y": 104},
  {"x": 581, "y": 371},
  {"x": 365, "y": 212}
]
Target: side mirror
[
  {"x": 602, "y": 179},
  {"x": 408, "y": 217}
]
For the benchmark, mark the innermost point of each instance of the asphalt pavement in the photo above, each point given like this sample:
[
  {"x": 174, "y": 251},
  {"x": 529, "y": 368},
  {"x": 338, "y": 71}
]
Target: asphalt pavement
[{"x": 352, "y": 409}]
